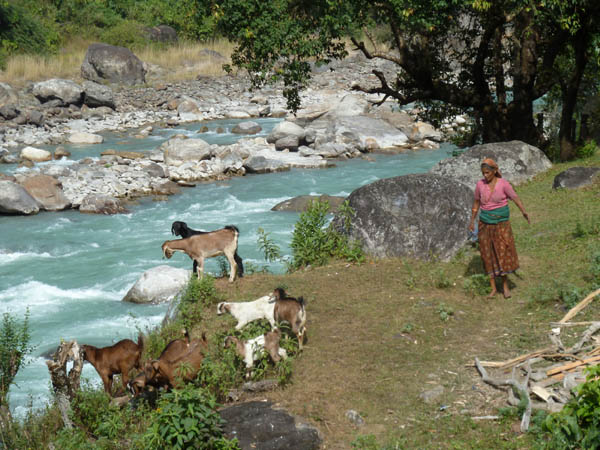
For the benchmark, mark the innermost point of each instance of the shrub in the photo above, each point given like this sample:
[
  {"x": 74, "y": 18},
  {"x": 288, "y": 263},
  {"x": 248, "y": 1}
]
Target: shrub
[
  {"x": 127, "y": 33},
  {"x": 313, "y": 243},
  {"x": 187, "y": 418},
  {"x": 577, "y": 425},
  {"x": 14, "y": 347},
  {"x": 587, "y": 150}
]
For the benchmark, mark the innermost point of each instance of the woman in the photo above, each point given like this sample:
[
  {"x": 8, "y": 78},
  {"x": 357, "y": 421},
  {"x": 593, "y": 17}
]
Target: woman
[{"x": 496, "y": 242}]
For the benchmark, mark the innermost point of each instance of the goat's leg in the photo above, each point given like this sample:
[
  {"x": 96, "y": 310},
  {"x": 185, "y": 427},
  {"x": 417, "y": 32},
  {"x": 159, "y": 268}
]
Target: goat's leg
[
  {"x": 232, "y": 266},
  {"x": 195, "y": 268},
  {"x": 200, "y": 267},
  {"x": 107, "y": 381}
]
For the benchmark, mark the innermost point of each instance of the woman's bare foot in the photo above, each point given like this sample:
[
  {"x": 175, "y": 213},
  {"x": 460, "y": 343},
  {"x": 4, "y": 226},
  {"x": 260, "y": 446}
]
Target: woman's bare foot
[
  {"x": 507, "y": 293},
  {"x": 492, "y": 294}
]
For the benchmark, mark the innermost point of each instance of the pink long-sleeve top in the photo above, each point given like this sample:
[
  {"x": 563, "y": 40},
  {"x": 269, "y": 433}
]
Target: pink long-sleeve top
[{"x": 488, "y": 200}]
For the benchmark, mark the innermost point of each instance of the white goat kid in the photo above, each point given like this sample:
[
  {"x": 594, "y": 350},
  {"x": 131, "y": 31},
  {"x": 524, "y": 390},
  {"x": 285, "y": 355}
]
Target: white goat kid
[
  {"x": 246, "y": 312},
  {"x": 253, "y": 349},
  {"x": 206, "y": 245}
]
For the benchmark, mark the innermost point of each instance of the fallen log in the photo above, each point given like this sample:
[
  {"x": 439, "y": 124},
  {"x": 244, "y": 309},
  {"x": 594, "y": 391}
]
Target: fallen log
[
  {"x": 582, "y": 304},
  {"x": 573, "y": 365}
]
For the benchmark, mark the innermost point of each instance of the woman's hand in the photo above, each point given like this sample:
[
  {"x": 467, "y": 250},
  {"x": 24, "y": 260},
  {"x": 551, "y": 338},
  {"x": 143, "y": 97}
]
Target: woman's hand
[
  {"x": 526, "y": 217},
  {"x": 471, "y": 227}
]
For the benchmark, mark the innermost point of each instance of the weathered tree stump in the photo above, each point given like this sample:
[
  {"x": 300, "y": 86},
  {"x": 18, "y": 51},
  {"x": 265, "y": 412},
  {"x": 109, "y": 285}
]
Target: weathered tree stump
[{"x": 65, "y": 385}]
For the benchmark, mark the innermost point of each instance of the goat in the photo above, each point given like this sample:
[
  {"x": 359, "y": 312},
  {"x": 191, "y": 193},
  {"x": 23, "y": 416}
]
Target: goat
[
  {"x": 121, "y": 358},
  {"x": 181, "y": 229},
  {"x": 246, "y": 312},
  {"x": 207, "y": 245},
  {"x": 291, "y": 310},
  {"x": 173, "y": 350},
  {"x": 166, "y": 371},
  {"x": 252, "y": 349}
]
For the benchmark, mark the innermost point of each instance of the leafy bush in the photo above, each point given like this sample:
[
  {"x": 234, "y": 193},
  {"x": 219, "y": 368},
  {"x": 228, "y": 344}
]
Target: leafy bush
[
  {"x": 14, "y": 347},
  {"x": 587, "y": 150},
  {"x": 313, "y": 243},
  {"x": 187, "y": 418},
  {"x": 127, "y": 33},
  {"x": 577, "y": 425}
]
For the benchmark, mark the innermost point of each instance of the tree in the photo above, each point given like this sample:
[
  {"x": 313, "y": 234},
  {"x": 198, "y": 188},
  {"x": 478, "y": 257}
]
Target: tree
[
  {"x": 492, "y": 59},
  {"x": 14, "y": 347}
]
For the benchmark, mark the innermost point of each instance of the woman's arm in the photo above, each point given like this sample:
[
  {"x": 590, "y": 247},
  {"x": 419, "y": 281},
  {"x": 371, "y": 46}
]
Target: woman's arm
[
  {"x": 474, "y": 210},
  {"x": 519, "y": 203}
]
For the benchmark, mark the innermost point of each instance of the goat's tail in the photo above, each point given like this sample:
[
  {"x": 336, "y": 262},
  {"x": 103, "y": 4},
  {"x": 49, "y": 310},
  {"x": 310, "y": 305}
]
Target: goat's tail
[
  {"x": 186, "y": 334},
  {"x": 140, "y": 341}
]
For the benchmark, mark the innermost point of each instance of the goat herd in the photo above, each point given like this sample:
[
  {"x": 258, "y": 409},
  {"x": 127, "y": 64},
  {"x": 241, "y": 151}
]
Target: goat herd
[{"x": 182, "y": 358}]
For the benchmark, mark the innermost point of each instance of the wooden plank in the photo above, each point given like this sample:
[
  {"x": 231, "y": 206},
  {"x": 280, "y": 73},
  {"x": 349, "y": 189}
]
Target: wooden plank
[
  {"x": 572, "y": 365},
  {"x": 582, "y": 304}
]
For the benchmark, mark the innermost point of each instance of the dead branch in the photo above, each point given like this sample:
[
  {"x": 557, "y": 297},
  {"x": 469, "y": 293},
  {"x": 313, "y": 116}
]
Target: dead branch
[
  {"x": 520, "y": 388},
  {"x": 586, "y": 337},
  {"x": 582, "y": 304}
]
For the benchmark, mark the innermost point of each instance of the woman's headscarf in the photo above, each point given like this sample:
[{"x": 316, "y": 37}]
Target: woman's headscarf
[{"x": 492, "y": 165}]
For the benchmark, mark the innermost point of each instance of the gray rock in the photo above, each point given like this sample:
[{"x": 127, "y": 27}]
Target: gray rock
[
  {"x": 157, "y": 285},
  {"x": 96, "y": 95},
  {"x": 258, "y": 426},
  {"x": 260, "y": 164},
  {"x": 576, "y": 177},
  {"x": 67, "y": 91},
  {"x": 161, "y": 33},
  {"x": 101, "y": 204},
  {"x": 8, "y": 95},
  {"x": 432, "y": 395},
  {"x": 178, "y": 151},
  {"x": 418, "y": 215},
  {"x": 283, "y": 129},
  {"x": 518, "y": 162},
  {"x": 9, "y": 112},
  {"x": 355, "y": 417},
  {"x": 105, "y": 62},
  {"x": 47, "y": 191},
  {"x": 300, "y": 203},
  {"x": 14, "y": 199},
  {"x": 35, "y": 117},
  {"x": 249, "y": 127},
  {"x": 289, "y": 142}
]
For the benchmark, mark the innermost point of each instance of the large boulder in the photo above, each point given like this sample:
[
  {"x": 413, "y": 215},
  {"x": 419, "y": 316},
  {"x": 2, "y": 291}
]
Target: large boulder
[
  {"x": 105, "y": 62},
  {"x": 356, "y": 133},
  {"x": 157, "y": 285},
  {"x": 417, "y": 215},
  {"x": 14, "y": 199},
  {"x": 47, "y": 191},
  {"x": 96, "y": 95},
  {"x": 284, "y": 129},
  {"x": 82, "y": 137},
  {"x": 66, "y": 91},
  {"x": 576, "y": 177},
  {"x": 518, "y": 162},
  {"x": 257, "y": 425},
  {"x": 178, "y": 151}
]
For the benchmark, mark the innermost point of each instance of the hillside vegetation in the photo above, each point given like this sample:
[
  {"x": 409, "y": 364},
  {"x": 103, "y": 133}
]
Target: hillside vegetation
[{"x": 380, "y": 334}]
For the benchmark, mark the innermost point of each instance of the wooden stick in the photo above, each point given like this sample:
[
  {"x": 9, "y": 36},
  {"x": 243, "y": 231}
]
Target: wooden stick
[
  {"x": 513, "y": 361},
  {"x": 571, "y": 365},
  {"x": 582, "y": 304},
  {"x": 571, "y": 324}
]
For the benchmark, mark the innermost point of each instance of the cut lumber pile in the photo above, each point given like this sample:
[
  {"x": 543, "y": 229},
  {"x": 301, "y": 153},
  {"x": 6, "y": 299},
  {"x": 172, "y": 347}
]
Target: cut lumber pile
[{"x": 545, "y": 378}]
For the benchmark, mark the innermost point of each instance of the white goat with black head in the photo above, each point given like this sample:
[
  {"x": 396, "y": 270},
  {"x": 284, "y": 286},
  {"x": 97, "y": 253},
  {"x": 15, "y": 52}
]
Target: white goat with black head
[{"x": 206, "y": 245}]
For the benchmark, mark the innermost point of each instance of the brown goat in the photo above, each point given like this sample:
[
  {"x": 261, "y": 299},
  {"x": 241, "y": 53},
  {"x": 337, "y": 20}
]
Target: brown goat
[
  {"x": 165, "y": 371},
  {"x": 291, "y": 310},
  {"x": 206, "y": 245},
  {"x": 119, "y": 358},
  {"x": 173, "y": 350}
]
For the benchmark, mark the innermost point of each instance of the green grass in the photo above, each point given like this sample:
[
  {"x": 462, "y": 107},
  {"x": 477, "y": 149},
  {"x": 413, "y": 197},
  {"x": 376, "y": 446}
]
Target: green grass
[{"x": 383, "y": 331}]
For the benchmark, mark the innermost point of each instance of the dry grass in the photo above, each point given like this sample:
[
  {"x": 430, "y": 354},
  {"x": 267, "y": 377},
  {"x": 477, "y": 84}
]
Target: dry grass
[{"x": 183, "y": 61}]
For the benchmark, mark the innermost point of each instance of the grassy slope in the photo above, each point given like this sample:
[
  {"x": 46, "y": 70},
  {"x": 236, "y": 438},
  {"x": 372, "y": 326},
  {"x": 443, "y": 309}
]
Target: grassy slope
[{"x": 377, "y": 337}]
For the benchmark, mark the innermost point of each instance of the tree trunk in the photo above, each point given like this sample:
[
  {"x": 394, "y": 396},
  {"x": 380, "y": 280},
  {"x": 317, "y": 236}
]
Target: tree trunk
[{"x": 570, "y": 90}]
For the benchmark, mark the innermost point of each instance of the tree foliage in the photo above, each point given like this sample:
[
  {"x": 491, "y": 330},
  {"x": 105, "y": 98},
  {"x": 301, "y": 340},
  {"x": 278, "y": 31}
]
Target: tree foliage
[
  {"x": 490, "y": 59},
  {"x": 14, "y": 347}
]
